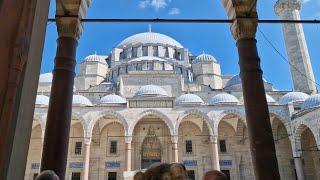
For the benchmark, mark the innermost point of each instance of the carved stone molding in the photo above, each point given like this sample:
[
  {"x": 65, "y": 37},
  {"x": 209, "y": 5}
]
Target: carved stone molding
[
  {"x": 244, "y": 28},
  {"x": 244, "y": 14},
  {"x": 128, "y": 139},
  {"x": 174, "y": 138},
  {"x": 87, "y": 140},
  {"x": 285, "y": 5},
  {"x": 69, "y": 27},
  {"x": 214, "y": 139}
]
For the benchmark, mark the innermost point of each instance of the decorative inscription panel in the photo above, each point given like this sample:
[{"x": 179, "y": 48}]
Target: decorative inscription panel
[
  {"x": 35, "y": 166},
  {"x": 190, "y": 163},
  {"x": 150, "y": 103},
  {"x": 112, "y": 165},
  {"x": 76, "y": 165},
  {"x": 225, "y": 162}
]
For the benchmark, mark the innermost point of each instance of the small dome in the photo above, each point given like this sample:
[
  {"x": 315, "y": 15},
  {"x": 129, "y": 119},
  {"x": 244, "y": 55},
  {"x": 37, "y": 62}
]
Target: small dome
[
  {"x": 42, "y": 100},
  {"x": 95, "y": 58},
  {"x": 81, "y": 100},
  {"x": 204, "y": 58},
  {"x": 45, "y": 78},
  {"x": 223, "y": 98},
  {"x": 151, "y": 91},
  {"x": 293, "y": 97},
  {"x": 270, "y": 99},
  {"x": 149, "y": 38},
  {"x": 236, "y": 80},
  {"x": 112, "y": 99},
  {"x": 189, "y": 99},
  {"x": 312, "y": 102}
]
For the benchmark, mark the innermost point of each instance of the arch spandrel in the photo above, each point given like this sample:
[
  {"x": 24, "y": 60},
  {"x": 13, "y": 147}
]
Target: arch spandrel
[
  {"x": 299, "y": 128},
  {"x": 92, "y": 118},
  {"x": 217, "y": 116},
  {"x": 148, "y": 112},
  {"x": 196, "y": 112}
]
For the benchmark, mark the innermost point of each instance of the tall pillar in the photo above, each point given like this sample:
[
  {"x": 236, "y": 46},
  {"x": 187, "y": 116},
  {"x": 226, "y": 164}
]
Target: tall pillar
[
  {"x": 299, "y": 168},
  {"x": 56, "y": 138},
  {"x": 128, "y": 141},
  {"x": 257, "y": 114},
  {"x": 215, "y": 153},
  {"x": 175, "y": 154},
  {"x": 20, "y": 48},
  {"x": 297, "y": 50},
  {"x": 86, "y": 167}
]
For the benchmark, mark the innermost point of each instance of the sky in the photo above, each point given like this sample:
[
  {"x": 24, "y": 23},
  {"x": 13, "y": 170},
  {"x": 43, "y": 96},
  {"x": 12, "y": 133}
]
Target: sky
[{"x": 214, "y": 39}]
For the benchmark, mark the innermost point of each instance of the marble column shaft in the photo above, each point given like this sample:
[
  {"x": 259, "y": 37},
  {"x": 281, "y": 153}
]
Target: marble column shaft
[{"x": 299, "y": 168}]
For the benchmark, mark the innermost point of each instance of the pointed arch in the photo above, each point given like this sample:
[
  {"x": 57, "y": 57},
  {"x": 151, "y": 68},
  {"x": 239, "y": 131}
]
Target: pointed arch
[
  {"x": 197, "y": 112},
  {"x": 97, "y": 116},
  {"x": 154, "y": 112},
  {"x": 217, "y": 116}
]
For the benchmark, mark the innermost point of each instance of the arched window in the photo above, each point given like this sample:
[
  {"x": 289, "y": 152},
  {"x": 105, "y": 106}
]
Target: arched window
[
  {"x": 155, "y": 51},
  {"x": 144, "y": 50}
]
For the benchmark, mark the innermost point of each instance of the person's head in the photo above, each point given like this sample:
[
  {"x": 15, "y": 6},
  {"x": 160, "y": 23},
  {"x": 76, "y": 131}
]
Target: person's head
[
  {"x": 163, "y": 171},
  {"x": 47, "y": 175},
  {"x": 214, "y": 175},
  {"x": 139, "y": 176},
  {"x": 178, "y": 171}
]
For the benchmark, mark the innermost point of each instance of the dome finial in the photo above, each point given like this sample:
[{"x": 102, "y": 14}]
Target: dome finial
[
  {"x": 203, "y": 52},
  {"x": 150, "y": 28}
]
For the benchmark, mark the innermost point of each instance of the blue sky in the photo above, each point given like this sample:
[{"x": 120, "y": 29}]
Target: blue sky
[{"x": 211, "y": 38}]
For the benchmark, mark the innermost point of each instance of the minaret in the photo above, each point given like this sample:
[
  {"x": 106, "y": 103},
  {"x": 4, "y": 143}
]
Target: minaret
[{"x": 297, "y": 50}]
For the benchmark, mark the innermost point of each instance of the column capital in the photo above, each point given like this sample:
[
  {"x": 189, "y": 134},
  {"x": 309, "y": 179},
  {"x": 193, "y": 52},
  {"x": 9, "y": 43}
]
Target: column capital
[
  {"x": 128, "y": 139},
  {"x": 244, "y": 28},
  {"x": 87, "y": 140},
  {"x": 174, "y": 138},
  {"x": 214, "y": 139},
  {"x": 284, "y": 5},
  {"x": 244, "y": 14},
  {"x": 69, "y": 27}
]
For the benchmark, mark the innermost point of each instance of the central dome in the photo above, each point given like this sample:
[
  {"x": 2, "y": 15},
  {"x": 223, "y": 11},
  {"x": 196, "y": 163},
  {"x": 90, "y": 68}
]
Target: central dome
[{"x": 149, "y": 38}]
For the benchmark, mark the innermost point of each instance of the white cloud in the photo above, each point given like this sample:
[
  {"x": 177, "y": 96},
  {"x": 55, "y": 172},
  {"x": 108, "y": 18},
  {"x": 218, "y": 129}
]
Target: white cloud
[
  {"x": 174, "y": 11},
  {"x": 156, "y": 4},
  {"x": 305, "y": 1}
]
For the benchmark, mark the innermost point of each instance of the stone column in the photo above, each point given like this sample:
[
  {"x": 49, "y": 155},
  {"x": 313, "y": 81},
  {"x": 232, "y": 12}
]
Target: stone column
[
  {"x": 299, "y": 168},
  {"x": 22, "y": 34},
  {"x": 215, "y": 153},
  {"x": 128, "y": 142},
  {"x": 297, "y": 49},
  {"x": 175, "y": 154},
  {"x": 86, "y": 167},
  {"x": 257, "y": 113}
]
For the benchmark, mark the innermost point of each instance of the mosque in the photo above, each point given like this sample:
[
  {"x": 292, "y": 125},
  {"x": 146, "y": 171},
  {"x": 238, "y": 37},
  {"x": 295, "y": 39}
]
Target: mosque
[{"x": 150, "y": 100}]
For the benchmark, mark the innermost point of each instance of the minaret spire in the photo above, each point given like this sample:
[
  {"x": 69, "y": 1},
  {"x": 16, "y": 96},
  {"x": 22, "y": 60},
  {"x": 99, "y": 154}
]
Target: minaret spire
[
  {"x": 297, "y": 50},
  {"x": 150, "y": 28}
]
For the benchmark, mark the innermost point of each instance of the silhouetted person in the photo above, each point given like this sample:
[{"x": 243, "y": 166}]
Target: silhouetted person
[
  {"x": 214, "y": 175},
  {"x": 163, "y": 172},
  {"x": 47, "y": 175}
]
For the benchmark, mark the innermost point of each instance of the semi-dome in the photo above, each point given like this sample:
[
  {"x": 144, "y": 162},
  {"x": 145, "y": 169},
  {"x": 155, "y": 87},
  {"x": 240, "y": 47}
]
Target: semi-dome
[
  {"x": 204, "y": 58},
  {"x": 189, "y": 99},
  {"x": 80, "y": 100},
  {"x": 149, "y": 38},
  {"x": 112, "y": 99},
  {"x": 151, "y": 91},
  {"x": 311, "y": 102},
  {"x": 95, "y": 58},
  {"x": 223, "y": 98},
  {"x": 45, "y": 78},
  {"x": 42, "y": 100},
  {"x": 236, "y": 80},
  {"x": 293, "y": 97},
  {"x": 270, "y": 99}
]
